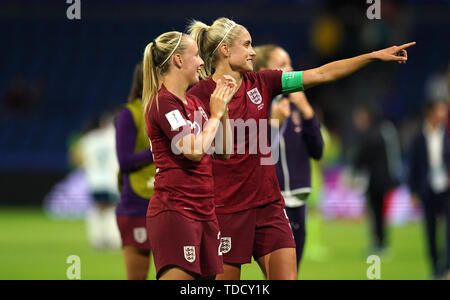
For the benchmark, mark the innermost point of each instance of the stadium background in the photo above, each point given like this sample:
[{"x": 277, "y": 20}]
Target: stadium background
[{"x": 57, "y": 74}]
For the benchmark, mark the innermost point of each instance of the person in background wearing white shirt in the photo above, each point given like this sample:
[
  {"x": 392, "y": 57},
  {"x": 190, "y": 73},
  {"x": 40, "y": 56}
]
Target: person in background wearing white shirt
[
  {"x": 429, "y": 164},
  {"x": 100, "y": 164}
]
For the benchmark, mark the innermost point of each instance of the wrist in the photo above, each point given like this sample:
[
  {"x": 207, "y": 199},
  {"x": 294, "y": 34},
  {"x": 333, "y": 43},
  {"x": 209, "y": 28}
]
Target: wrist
[
  {"x": 372, "y": 56},
  {"x": 225, "y": 114},
  {"x": 217, "y": 116}
]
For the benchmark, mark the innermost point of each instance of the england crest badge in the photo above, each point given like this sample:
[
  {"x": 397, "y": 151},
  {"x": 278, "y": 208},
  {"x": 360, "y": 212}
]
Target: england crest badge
[
  {"x": 189, "y": 253},
  {"x": 225, "y": 244},
  {"x": 255, "y": 96},
  {"x": 140, "y": 234}
]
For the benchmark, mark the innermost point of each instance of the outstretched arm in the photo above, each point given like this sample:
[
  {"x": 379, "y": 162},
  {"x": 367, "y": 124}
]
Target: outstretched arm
[{"x": 343, "y": 68}]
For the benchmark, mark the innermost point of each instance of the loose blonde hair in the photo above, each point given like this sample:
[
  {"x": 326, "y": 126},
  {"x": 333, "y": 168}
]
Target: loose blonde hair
[
  {"x": 156, "y": 63},
  {"x": 209, "y": 38},
  {"x": 263, "y": 54}
]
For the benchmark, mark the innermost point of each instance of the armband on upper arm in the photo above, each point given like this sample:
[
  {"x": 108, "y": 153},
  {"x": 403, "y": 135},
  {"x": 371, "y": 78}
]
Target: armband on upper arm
[{"x": 292, "y": 82}]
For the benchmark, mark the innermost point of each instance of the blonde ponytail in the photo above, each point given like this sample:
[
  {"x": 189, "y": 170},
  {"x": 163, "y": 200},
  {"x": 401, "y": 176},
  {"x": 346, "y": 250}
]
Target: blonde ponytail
[
  {"x": 150, "y": 83},
  {"x": 157, "y": 56},
  {"x": 197, "y": 30}
]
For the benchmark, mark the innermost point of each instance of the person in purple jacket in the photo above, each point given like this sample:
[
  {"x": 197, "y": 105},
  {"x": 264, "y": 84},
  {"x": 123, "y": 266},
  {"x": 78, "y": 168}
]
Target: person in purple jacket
[
  {"x": 136, "y": 177},
  {"x": 299, "y": 140}
]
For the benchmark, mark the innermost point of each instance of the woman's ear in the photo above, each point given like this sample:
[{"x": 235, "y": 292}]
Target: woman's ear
[
  {"x": 177, "y": 60},
  {"x": 225, "y": 50}
]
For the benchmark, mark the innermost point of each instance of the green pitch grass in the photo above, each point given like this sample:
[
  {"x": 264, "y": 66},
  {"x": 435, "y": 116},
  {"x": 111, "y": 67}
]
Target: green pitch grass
[{"x": 34, "y": 246}]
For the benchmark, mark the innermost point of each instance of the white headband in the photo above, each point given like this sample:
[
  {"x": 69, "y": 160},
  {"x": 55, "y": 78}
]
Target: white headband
[
  {"x": 223, "y": 38},
  {"x": 173, "y": 51}
]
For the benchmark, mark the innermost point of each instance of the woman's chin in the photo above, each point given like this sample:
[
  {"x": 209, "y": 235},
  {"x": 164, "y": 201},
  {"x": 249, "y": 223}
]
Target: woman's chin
[
  {"x": 195, "y": 80},
  {"x": 249, "y": 67}
]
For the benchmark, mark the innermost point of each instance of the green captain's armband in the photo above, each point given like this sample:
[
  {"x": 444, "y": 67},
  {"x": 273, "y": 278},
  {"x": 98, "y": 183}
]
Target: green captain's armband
[{"x": 292, "y": 82}]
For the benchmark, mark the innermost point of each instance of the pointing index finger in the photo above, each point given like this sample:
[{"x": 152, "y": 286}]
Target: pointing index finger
[{"x": 404, "y": 46}]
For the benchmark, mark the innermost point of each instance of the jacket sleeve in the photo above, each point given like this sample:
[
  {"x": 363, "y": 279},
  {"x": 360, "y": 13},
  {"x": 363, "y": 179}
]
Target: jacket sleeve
[
  {"x": 313, "y": 138},
  {"x": 413, "y": 166},
  {"x": 125, "y": 140}
]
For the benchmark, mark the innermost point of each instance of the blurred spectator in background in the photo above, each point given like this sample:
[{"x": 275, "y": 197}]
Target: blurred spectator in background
[
  {"x": 299, "y": 140},
  {"x": 71, "y": 197},
  {"x": 378, "y": 157},
  {"x": 136, "y": 179},
  {"x": 97, "y": 150},
  {"x": 429, "y": 177}
]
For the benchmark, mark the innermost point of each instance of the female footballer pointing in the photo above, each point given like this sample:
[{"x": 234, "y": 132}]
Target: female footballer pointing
[{"x": 249, "y": 205}]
